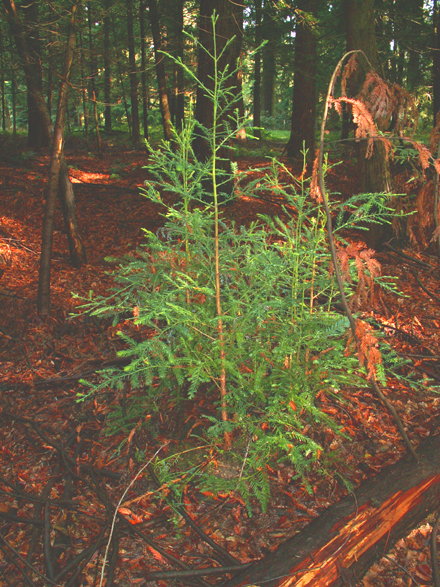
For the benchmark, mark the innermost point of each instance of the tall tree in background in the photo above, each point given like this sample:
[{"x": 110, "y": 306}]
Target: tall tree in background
[
  {"x": 269, "y": 34},
  {"x": 144, "y": 88},
  {"x": 257, "y": 72},
  {"x": 37, "y": 138},
  {"x": 93, "y": 76},
  {"x": 227, "y": 28},
  {"x": 160, "y": 70},
  {"x": 173, "y": 20},
  {"x": 107, "y": 69},
  {"x": 302, "y": 130},
  {"x": 375, "y": 176},
  {"x": 436, "y": 59},
  {"x": 133, "y": 76}
]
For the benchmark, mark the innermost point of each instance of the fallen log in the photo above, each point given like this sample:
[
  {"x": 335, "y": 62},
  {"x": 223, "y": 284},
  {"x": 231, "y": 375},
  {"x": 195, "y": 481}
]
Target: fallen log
[{"x": 339, "y": 547}]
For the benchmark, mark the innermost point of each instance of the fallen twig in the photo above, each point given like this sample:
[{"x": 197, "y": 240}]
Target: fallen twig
[
  {"x": 407, "y": 257},
  {"x": 160, "y": 575},
  {"x": 425, "y": 289}
]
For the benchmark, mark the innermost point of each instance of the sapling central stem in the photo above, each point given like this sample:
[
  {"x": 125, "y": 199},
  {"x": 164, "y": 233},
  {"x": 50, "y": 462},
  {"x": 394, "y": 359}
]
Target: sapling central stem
[{"x": 215, "y": 148}]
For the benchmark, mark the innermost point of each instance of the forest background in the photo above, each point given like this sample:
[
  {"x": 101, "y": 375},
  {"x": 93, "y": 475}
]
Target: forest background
[{"x": 89, "y": 80}]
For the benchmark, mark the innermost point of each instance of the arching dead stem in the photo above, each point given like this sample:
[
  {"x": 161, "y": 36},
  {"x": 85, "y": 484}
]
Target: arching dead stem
[{"x": 377, "y": 390}]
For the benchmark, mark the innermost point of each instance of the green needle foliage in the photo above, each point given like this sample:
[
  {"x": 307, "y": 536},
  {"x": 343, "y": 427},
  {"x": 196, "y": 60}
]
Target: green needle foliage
[{"x": 241, "y": 314}]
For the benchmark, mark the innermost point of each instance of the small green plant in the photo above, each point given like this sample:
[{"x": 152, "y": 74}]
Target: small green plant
[{"x": 239, "y": 317}]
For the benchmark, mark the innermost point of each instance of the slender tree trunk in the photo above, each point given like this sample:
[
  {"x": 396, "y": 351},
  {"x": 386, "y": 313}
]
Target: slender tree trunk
[
  {"x": 178, "y": 79},
  {"x": 160, "y": 70},
  {"x": 269, "y": 59},
  {"x": 56, "y": 163},
  {"x": 436, "y": 60},
  {"x": 133, "y": 76},
  {"x": 2, "y": 82},
  {"x": 107, "y": 69},
  {"x": 14, "y": 101},
  {"x": 257, "y": 73},
  {"x": 121, "y": 81},
  {"x": 302, "y": 129},
  {"x": 84, "y": 90},
  {"x": 144, "y": 88},
  {"x": 93, "y": 75}
]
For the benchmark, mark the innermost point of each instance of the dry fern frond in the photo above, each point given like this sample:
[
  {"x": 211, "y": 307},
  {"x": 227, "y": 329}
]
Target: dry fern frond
[
  {"x": 377, "y": 95},
  {"x": 391, "y": 106},
  {"x": 367, "y": 348},
  {"x": 349, "y": 69},
  {"x": 420, "y": 226},
  {"x": 365, "y": 126},
  {"x": 368, "y": 268}
]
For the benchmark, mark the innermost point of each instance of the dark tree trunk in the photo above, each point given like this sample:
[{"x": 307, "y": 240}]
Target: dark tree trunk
[
  {"x": 302, "y": 129},
  {"x": 57, "y": 162},
  {"x": 338, "y": 547},
  {"x": 239, "y": 17},
  {"x": 375, "y": 176},
  {"x": 133, "y": 76},
  {"x": 37, "y": 139},
  {"x": 121, "y": 82},
  {"x": 179, "y": 89},
  {"x": 257, "y": 73},
  {"x": 107, "y": 70},
  {"x": 84, "y": 90},
  {"x": 160, "y": 70},
  {"x": 268, "y": 94},
  {"x": 93, "y": 76},
  {"x": 227, "y": 27},
  {"x": 436, "y": 60},
  {"x": 2, "y": 81},
  {"x": 14, "y": 101},
  {"x": 144, "y": 87}
]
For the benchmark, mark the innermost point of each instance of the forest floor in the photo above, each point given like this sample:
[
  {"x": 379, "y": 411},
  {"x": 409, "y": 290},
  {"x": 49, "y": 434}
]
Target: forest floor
[{"x": 62, "y": 470}]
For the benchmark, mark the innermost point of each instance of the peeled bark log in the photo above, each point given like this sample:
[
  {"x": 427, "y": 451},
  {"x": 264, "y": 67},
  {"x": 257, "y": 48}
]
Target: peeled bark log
[{"x": 338, "y": 547}]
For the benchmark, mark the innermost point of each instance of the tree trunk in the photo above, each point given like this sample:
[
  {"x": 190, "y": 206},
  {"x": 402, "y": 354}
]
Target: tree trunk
[
  {"x": 37, "y": 139},
  {"x": 56, "y": 163},
  {"x": 179, "y": 88},
  {"x": 107, "y": 70},
  {"x": 144, "y": 88},
  {"x": 339, "y": 546},
  {"x": 84, "y": 90},
  {"x": 375, "y": 176},
  {"x": 160, "y": 70},
  {"x": 2, "y": 75},
  {"x": 269, "y": 59},
  {"x": 227, "y": 27},
  {"x": 302, "y": 130},
  {"x": 257, "y": 73},
  {"x": 133, "y": 76},
  {"x": 121, "y": 82},
  {"x": 93, "y": 76},
  {"x": 436, "y": 60}
]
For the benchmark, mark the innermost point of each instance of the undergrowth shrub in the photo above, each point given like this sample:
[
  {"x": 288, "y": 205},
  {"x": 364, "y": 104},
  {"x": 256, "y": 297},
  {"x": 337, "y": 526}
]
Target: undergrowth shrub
[{"x": 240, "y": 313}]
